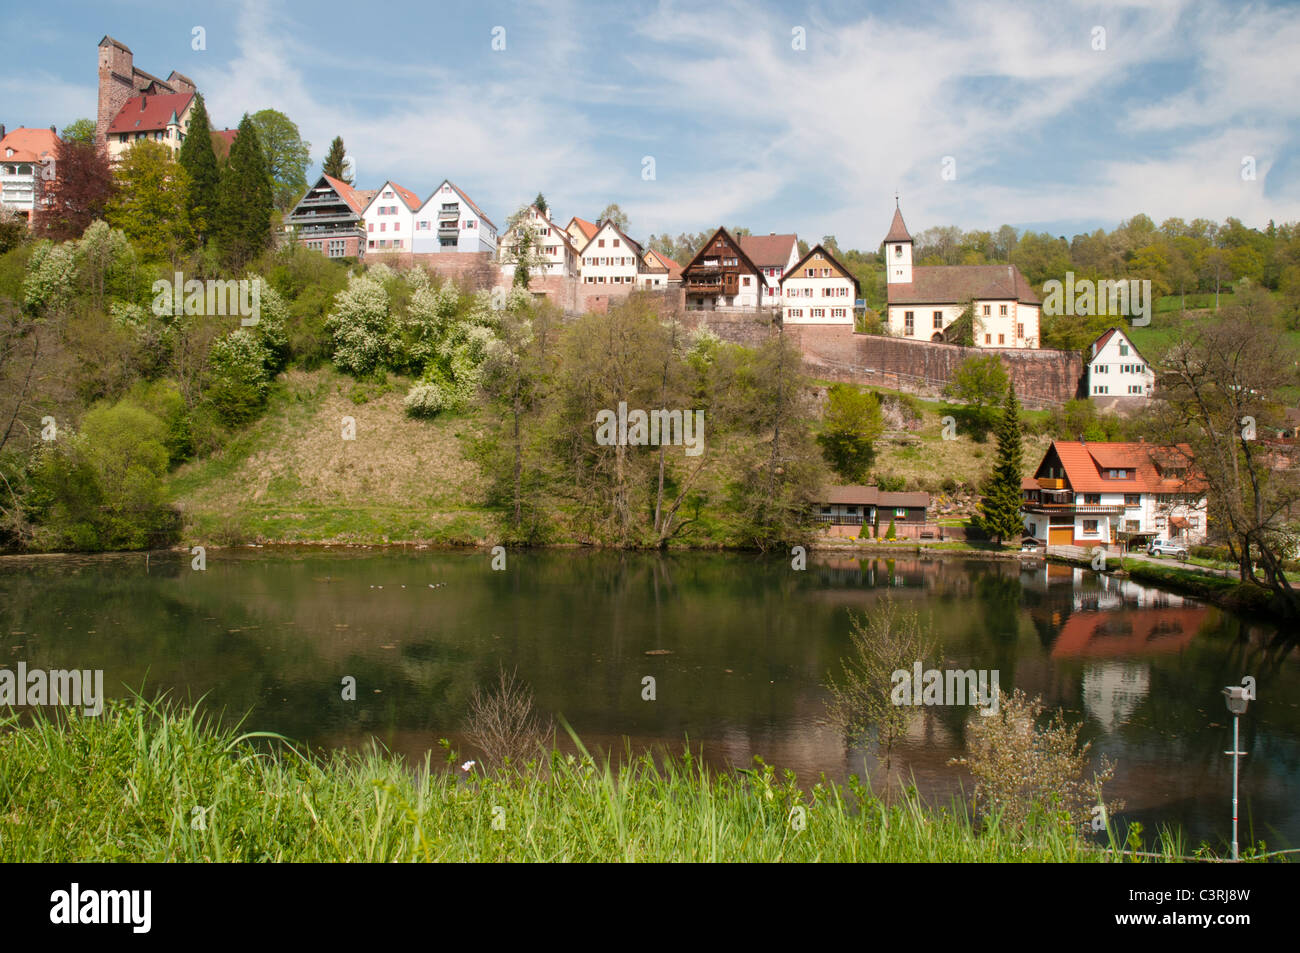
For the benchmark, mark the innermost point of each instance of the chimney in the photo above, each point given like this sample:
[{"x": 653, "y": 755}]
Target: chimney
[
  {"x": 2, "y": 130},
  {"x": 1081, "y": 440},
  {"x": 771, "y": 234}
]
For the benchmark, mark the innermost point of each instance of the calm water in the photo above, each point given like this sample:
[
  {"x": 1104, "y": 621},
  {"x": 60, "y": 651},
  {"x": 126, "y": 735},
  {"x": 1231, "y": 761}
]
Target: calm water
[{"x": 272, "y": 633}]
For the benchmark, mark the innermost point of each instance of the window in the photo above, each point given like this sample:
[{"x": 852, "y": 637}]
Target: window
[
  {"x": 938, "y": 319},
  {"x": 988, "y": 339},
  {"x": 837, "y": 313},
  {"x": 746, "y": 281},
  {"x": 1020, "y": 330},
  {"x": 616, "y": 243},
  {"x": 809, "y": 272},
  {"x": 1002, "y": 310},
  {"x": 988, "y": 309},
  {"x": 1099, "y": 368},
  {"x": 818, "y": 312},
  {"x": 600, "y": 243},
  {"x": 1135, "y": 388},
  {"x": 372, "y": 243},
  {"x": 900, "y": 512},
  {"x": 1090, "y": 527},
  {"x": 1123, "y": 350},
  {"x": 383, "y": 226},
  {"x": 1132, "y": 499},
  {"x": 1092, "y": 499},
  {"x": 370, "y": 227},
  {"x": 909, "y": 326},
  {"x": 1100, "y": 389},
  {"x": 898, "y": 251},
  {"x": 796, "y": 312},
  {"x": 1002, "y": 339}
]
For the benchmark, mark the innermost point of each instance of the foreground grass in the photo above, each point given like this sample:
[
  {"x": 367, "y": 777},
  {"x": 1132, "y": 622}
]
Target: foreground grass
[{"x": 143, "y": 783}]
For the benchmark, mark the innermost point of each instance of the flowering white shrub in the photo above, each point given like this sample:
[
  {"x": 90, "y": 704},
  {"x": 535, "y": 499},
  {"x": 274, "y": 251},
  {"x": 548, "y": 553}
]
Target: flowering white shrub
[
  {"x": 425, "y": 400},
  {"x": 362, "y": 326},
  {"x": 50, "y": 274}
]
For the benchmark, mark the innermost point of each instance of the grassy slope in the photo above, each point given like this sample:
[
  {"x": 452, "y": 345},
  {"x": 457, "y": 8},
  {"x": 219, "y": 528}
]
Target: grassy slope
[{"x": 291, "y": 477}]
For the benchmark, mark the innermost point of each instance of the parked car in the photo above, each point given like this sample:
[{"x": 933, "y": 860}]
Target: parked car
[{"x": 1165, "y": 547}]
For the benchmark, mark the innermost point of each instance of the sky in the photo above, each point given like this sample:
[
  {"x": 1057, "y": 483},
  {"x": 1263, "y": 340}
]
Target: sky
[{"x": 810, "y": 117}]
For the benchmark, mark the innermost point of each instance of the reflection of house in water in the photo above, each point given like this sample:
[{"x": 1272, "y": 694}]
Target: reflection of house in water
[
  {"x": 1127, "y": 632},
  {"x": 1113, "y": 690}
]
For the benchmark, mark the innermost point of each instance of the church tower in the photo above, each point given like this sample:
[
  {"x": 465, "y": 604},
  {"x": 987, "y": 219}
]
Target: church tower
[{"x": 898, "y": 251}]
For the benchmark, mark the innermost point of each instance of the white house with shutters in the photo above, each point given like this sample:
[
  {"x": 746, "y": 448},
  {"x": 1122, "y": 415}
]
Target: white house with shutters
[
  {"x": 774, "y": 255},
  {"x": 449, "y": 221},
  {"x": 610, "y": 258},
  {"x": 388, "y": 219},
  {"x": 1117, "y": 369},
  {"x": 552, "y": 247},
  {"x": 818, "y": 290}
]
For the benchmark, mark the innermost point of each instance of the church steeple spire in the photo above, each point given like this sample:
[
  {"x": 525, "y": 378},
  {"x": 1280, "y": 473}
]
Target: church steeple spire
[{"x": 898, "y": 250}]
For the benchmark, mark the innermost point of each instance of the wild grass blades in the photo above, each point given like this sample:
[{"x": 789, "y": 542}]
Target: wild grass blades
[{"x": 126, "y": 786}]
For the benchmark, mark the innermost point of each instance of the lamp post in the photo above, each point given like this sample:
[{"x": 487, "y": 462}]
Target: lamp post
[{"x": 1237, "y": 697}]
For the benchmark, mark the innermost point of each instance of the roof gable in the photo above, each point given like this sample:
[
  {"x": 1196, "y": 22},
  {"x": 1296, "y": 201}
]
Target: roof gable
[
  {"x": 1109, "y": 335},
  {"x": 463, "y": 197},
  {"x": 826, "y": 256},
  {"x": 735, "y": 245},
  {"x": 610, "y": 227},
  {"x": 149, "y": 113},
  {"x": 29, "y": 145},
  {"x": 1156, "y": 469},
  {"x": 897, "y": 229},
  {"x": 588, "y": 229},
  {"x": 409, "y": 198}
]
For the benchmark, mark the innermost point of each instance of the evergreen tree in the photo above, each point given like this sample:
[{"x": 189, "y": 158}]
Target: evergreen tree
[
  {"x": 540, "y": 202},
  {"x": 200, "y": 161},
  {"x": 243, "y": 224},
  {"x": 1000, "y": 508},
  {"x": 333, "y": 165}
]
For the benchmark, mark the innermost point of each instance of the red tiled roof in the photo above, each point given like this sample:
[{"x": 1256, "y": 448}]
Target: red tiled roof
[
  {"x": 29, "y": 145},
  {"x": 149, "y": 113},
  {"x": 588, "y": 229},
  {"x": 953, "y": 284},
  {"x": 1083, "y": 463},
  {"x": 356, "y": 200},
  {"x": 222, "y": 140},
  {"x": 674, "y": 269},
  {"x": 897, "y": 230},
  {"x": 768, "y": 251}
]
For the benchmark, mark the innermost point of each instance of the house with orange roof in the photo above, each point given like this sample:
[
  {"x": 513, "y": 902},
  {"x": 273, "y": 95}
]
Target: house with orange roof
[
  {"x": 27, "y": 162},
  {"x": 389, "y": 218},
  {"x": 581, "y": 231},
  {"x": 658, "y": 271},
  {"x": 328, "y": 219},
  {"x": 923, "y": 300},
  {"x": 818, "y": 290},
  {"x": 775, "y": 255},
  {"x": 1104, "y": 494},
  {"x": 612, "y": 259},
  {"x": 449, "y": 221}
]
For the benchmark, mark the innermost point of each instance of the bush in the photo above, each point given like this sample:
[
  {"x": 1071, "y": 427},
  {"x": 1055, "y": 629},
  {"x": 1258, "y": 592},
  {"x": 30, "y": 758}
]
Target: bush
[
  {"x": 891, "y": 533},
  {"x": 240, "y": 380},
  {"x": 425, "y": 400},
  {"x": 102, "y": 488}
]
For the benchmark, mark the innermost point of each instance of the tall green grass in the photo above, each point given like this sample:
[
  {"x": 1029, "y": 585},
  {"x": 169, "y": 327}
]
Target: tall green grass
[{"x": 125, "y": 786}]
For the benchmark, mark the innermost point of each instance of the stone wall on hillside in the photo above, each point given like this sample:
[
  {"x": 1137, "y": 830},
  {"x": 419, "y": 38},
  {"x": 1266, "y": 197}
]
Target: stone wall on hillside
[
  {"x": 1043, "y": 377},
  {"x": 473, "y": 271}
]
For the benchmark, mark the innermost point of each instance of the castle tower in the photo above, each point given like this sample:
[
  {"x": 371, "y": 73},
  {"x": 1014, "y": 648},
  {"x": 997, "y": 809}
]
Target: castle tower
[
  {"x": 898, "y": 251},
  {"x": 116, "y": 83}
]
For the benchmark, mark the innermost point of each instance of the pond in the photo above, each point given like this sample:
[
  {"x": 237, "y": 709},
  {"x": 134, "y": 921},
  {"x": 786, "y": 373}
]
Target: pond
[{"x": 742, "y": 646}]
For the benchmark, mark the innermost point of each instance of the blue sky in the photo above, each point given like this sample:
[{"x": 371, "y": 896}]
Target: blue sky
[{"x": 1044, "y": 130}]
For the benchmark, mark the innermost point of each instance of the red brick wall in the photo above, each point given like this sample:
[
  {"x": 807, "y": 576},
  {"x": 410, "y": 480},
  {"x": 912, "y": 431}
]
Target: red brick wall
[{"x": 1042, "y": 377}]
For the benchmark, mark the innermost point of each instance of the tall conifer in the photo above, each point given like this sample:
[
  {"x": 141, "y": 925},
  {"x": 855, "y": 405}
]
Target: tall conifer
[
  {"x": 1000, "y": 507},
  {"x": 247, "y": 199},
  {"x": 197, "y": 158}
]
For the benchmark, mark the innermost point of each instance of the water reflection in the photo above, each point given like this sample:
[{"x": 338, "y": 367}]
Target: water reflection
[{"x": 750, "y": 643}]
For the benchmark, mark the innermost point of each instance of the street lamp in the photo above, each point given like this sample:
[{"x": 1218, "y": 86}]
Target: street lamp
[{"x": 1237, "y": 698}]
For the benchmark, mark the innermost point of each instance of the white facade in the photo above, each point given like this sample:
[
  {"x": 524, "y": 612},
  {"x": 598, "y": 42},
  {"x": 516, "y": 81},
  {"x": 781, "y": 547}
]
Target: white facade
[
  {"x": 449, "y": 222},
  {"x": 1116, "y": 369},
  {"x": 898, "y": 263},
  {"x": 816, "y": 290},
  {"x": 388, "y": 220},
  {"x": 611, "y": 259},
  {"x": 1168, "y": 515},
  {"x": 997, "y": 323},
  {"x": 556, "y": 254}
]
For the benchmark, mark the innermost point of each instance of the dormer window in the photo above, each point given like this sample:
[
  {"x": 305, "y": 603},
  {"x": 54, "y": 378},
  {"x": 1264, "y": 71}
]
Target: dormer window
[{"x": 898, "y": 251}]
